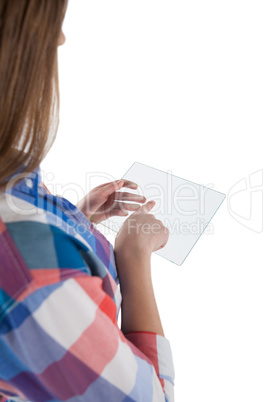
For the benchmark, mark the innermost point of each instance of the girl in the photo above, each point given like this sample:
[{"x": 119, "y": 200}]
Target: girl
[{"x": 59, "y": 276}]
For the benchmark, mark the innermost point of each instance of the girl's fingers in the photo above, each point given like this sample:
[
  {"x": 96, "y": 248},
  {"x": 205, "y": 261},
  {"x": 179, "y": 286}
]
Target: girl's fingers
[
  {"x": 144, "y": 209},
  {"x": 121, "y": 182},
  {"x": 124, "y": 196},
  {"x": 109, "y": 188},
  {"x": 130, "y": 184},
  {"x": 124, "y": 206},
  {"x": 118, "y": 212}
]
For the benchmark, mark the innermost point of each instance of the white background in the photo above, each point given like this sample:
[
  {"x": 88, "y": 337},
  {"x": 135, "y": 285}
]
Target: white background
[{"x": 181, "y": 86}]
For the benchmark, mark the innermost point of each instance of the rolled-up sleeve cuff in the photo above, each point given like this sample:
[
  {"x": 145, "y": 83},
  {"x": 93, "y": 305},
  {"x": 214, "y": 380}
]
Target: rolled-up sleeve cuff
[{"x": 158, "y": 350}]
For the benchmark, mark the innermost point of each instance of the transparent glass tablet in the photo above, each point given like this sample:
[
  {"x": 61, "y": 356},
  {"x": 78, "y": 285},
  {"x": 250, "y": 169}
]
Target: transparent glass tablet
[{"x": 184, "y": 207}]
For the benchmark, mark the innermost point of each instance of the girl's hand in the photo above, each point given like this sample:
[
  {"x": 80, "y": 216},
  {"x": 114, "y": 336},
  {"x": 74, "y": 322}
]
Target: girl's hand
[
  {"x": 142, "y": 233},
  {"x": 138, "y": 237},
  {"x": 104, "y": 201}
]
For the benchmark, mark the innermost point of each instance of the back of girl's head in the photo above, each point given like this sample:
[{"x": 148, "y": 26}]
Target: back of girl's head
[{"x": 29, "y": 90}]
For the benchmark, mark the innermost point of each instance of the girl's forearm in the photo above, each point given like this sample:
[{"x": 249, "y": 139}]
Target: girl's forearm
[{"x": 139, "y": 310}]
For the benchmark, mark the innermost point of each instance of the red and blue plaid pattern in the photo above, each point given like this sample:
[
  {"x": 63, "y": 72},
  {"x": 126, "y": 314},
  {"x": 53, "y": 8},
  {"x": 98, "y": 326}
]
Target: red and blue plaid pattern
[{"x": 59, "y": 304}]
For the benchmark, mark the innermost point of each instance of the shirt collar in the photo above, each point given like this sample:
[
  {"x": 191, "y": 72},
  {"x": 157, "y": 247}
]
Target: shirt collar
[{"x": 25, "y": 182}]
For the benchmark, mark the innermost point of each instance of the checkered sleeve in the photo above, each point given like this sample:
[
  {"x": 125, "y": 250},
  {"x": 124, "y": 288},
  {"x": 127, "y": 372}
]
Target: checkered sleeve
[{"x": 66, "y": 343}]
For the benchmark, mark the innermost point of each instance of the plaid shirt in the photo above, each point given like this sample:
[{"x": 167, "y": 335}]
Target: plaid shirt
[{"x": 59, "y": 304}]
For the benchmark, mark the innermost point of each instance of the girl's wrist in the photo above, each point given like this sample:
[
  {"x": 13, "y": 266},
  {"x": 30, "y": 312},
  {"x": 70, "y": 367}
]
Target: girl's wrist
[{"x": 132, "y": 268}]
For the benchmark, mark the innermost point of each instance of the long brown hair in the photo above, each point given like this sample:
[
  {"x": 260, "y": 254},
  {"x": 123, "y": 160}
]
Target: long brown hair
[{"x": 29, "y": 87}]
